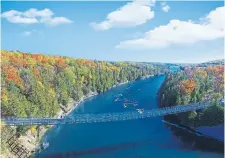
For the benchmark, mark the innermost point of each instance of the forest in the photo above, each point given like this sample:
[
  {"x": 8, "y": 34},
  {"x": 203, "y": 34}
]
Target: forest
[
  {"x": 196, "y": 85},
  {"x": 37, "y": 85}
]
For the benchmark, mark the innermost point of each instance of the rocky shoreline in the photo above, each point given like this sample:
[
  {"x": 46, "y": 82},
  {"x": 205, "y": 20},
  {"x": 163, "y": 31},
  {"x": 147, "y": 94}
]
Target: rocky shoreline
[
  {"x": 32, "y": 140},
  {"x": 73, "y": 105},
  {"x": 64, "y": 111}
]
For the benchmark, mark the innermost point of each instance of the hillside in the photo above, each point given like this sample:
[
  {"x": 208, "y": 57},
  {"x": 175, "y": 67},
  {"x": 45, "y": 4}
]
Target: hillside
[
  {"x": 214, "y": 62},
  {"x": 193, "y": 85},
  {"x": 37, "y": 84}
]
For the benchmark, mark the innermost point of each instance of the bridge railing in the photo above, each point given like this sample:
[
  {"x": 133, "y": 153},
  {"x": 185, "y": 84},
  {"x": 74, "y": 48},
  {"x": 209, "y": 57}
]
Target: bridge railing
[{"x": 104, "y": 117}]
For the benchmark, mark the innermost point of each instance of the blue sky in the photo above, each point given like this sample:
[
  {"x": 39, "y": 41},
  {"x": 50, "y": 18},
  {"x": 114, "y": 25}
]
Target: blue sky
[{"x": 152, "y": 31}]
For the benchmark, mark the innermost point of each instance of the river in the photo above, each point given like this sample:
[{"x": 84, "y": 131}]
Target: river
[{"x": 149, "y": 138}]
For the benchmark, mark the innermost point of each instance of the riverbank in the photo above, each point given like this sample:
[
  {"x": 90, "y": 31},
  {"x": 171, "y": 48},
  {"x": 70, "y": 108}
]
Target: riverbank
[
  {"x": 32, "y": 140},
  {"x": 186, "y": 131},
  {"x": 65, "y": 111},
  {"x": 107, "y": 142},
  {"x": 73, "y": 105},
  {"x": 62, "y": 140}
]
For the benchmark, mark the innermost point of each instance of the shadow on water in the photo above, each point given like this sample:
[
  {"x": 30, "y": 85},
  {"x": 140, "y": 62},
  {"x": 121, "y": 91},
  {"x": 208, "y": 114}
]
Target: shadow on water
[
  {"x": 101, "y": 150},
  {"x": 75, "y": 154},
  {"x": 191, "y": 140},
  {"x": 196, "y": 140}
]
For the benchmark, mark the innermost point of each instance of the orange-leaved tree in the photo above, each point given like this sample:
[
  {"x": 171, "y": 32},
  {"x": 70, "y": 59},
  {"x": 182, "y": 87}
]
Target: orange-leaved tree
[{"x": 187, "y": 86}]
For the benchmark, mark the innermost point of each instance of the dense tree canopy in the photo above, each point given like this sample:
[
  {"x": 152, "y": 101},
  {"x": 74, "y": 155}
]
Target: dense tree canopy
[
  {"x": 196, "y": 84},
  {"x": 37, "y": 84}
]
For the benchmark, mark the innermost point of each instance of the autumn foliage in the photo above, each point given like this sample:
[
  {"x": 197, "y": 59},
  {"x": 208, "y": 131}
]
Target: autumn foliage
[
  {"x": 194, "y": 85},
  {"x": 188, "y": 86},
  {"x": 37, "y": 84},
  {"x": 12, "y": 74}
]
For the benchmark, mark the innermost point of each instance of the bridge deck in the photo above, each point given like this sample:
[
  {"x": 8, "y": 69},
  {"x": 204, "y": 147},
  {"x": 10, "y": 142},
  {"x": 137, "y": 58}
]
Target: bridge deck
[{"x": 104, "y": 117}]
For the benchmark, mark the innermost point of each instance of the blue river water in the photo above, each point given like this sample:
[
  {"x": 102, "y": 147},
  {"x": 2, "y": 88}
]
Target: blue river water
[{"x": 149, "y": 138}]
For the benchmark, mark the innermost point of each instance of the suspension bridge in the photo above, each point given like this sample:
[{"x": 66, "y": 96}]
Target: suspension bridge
[{"x": 104, "y": 117}]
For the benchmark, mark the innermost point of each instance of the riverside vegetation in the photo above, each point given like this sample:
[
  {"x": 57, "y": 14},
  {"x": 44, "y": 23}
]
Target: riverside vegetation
[
  {"x": 37, "y": 85},
  {"x": 196, "y": 84}
]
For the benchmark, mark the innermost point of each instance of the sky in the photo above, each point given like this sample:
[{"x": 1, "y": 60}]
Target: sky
[{"x": 143, "y": 31}]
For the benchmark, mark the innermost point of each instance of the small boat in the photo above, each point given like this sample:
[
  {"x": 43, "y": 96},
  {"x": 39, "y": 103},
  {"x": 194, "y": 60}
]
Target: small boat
[
  {"x": 135, "y": 104},
  {"x": 117, "y": 99},
  {"x": 126, "y": 100},
  {"x": 119, "y": 95},
  {"x": 45, "y": 145},
  {"x": 140, "y": 111},
  {"x": 130, "y": 104}
]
